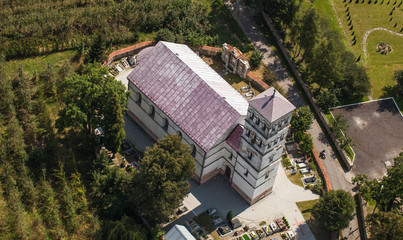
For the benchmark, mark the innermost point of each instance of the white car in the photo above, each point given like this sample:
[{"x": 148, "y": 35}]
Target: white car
[
  {"x": 211, "y": 211},
  {"x": 273, "y": 227}
]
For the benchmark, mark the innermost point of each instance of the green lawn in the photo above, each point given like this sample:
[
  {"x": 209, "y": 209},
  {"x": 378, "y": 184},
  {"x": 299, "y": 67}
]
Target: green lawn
[
  {"x": 365, "y": 16},
  {"x": 305, "y": 208},
  {"x": 381, "y": 67},
  {"x": 37, "y": 64},
  {"x": 296, "y": 179}
]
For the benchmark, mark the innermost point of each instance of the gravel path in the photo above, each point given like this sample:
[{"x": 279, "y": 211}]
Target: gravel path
[{"x": 367, "y": 33}]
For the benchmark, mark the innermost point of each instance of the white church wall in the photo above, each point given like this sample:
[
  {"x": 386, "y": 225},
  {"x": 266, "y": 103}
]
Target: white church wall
[{"x": 242, "y": 184}]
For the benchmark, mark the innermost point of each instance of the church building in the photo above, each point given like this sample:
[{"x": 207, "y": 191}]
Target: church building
[{"x": 173, "y": 91}]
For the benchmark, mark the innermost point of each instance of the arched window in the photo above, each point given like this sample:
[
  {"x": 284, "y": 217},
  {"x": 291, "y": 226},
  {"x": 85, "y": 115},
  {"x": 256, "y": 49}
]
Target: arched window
[
  {"x": 138, "y": 98},
  {"x": 193, "y": 150},
  {"x": 152, "y": 111},
  {"x": 247, "y": 132},
  {"x": 165, "y": 124},
  {"x": 230, "y": 156},
  {"x": 259, "y": 142},
  {"x": 264, "y": 127},
  {"x": 251, "y": 115},
  {"x": 257, "y": 121},
  {"x": 246, "y": 172},
  {"x": 250, "y": 155},
  {"x": 179, "y": 133}
]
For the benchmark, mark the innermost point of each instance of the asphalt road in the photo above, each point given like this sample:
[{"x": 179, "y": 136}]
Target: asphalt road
[{"x": 338, "y": 178}]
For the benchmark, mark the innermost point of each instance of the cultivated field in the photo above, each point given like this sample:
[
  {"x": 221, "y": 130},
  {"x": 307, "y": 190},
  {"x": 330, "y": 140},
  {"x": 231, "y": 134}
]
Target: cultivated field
[{"x": 361, "y": 20}]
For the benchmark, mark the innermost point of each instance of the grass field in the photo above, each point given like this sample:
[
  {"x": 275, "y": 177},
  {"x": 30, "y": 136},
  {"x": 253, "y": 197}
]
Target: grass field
[{"x": 360, "y": 16}]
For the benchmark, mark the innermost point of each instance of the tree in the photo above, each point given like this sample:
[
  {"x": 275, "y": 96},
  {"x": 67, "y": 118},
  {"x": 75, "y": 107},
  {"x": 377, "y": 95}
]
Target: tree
[
  {"x": 49, "y": 81},
  {"x": 269, "y": 77},
  {"x": 97, "y": 50},
  {"x": 165, "y": 35},
  {"x": 109, "y": 188},
  {"x": 334, "y": 210},
  {"x": 124, "y": 229},
  {"x": 283, "y": 10},
  {"x": 90, "y": 102},
  {"x": 230, "y": 216},
  {"x": 354, "y": 84},
  {"x": 398, "y": 77},
  {"x": 327, "y": 100},
  {"x": 385, "y": 226},
  {"x": 113, "y": 124},
  {"x": 325, "y": 69},
  {"x": 304, "y": 31},
  {"x": 302, "y": 119},
  {"x": 255, "y": 59},
  {"x": 6, "y": 94},
  {"x": 162, "y": 180},
  {"x": 298, "y": 136},
  {"x": 339, "y": 125},
  {"x": 306, "y": 144}
]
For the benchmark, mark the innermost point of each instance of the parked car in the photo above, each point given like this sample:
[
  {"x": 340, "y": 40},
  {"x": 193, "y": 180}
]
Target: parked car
[
  {"x": 274, "y": 227},
  {"x": 310, "y": 179},
  {"x": 211, "y": 211},
  {"x": 267, "y": 230}
]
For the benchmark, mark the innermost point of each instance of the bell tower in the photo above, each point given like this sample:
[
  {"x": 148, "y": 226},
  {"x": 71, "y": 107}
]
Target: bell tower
[{"x": 262, "y": 142}]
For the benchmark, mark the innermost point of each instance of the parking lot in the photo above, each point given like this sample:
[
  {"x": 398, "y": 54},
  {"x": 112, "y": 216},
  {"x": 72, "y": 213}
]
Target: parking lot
[{"x": 377, "y": 131}]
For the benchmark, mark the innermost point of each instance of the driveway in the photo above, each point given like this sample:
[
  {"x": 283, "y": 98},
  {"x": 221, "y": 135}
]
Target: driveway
[
  {"x": 217, "y": 193},
  {"x": 338, "y": 178}
]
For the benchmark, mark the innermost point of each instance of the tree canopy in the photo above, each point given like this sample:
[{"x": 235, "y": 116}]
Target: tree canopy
[
  {"x": 162, "y": 180},
  {"x": 385, "y": 226},
  {"x": 334, "y": 210},
  {"x": 94, "y": 99},
  {"x": 302, "y": 119},
  {"x": 388, "y": 191}
]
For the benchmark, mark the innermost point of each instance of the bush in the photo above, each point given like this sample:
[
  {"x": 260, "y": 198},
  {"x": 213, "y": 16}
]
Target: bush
[
  {"x": 255, "y": 59},
  {"x": 230, "y": 216},
  {"x": 165, "y": 35},
  {"x": 269, "y": 77}
]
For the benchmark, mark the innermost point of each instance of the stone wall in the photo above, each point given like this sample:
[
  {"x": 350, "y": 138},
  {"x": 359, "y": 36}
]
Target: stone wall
[
  {"x": 129, "y": 51},
  {"x": 256, "y": 82},
  {"x": 207, "y": 50},
  {"x": 321, "y": 117}
]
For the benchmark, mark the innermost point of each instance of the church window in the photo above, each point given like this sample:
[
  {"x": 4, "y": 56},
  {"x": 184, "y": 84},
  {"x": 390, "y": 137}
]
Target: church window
[
  {"x": 266, "y": 176},
  {"x": 165, "y": 124},
  {"x": 271, "y": 158},
  {"x": 257, "y": 121},
  {"x": 249, "y": 155},
  {"x": 247, "y": 132},
  {"x": 246, "y": 172},
  {"x": 264, "y": 127},
  {"x": 179, "y": 133},
  {"x": 138, "y": 98},
  {"x": 152, "y": 111},
  {"x": 230, "y": 156},
  {"x": 193, "y": 150},
  {"x": 259, "y": 142},
  {"x": 252, "y": 115}
]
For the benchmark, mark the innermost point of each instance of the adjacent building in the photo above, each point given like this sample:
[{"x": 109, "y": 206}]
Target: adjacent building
[{"x": 173, "y": 91}]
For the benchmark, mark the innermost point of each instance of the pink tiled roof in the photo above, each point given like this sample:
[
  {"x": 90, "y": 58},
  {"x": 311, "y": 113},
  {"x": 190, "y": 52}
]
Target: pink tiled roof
[
  {"x": 234, "y": 139},
  {"x": 271, "y": 104},
  {"x": 168, "y": 81}
]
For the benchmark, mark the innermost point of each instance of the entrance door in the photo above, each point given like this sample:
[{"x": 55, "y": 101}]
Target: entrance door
[{"x": 228, "y": 172}]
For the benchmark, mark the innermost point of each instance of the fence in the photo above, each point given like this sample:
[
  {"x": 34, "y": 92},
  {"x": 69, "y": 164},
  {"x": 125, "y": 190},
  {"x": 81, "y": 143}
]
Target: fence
[
  {"x": 125, "y": 52},
  {"x": 321, "y": 117}
]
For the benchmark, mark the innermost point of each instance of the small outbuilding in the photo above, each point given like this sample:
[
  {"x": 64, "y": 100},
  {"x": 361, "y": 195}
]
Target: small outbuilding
[{"x": 179, "y": 232}]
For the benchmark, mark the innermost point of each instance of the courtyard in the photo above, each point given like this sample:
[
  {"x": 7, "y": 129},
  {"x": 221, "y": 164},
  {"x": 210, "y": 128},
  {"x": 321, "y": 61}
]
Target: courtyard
[
  {"x": 217, "y": 193},
  {"x": 377, "y": 131}
]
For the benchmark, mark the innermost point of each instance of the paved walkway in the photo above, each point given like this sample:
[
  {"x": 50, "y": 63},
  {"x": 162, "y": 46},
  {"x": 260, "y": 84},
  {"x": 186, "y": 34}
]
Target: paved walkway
[
  {"x": 217, "y": 193},
  {"x": 338, "y": 178}
]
